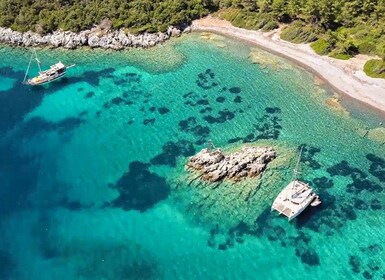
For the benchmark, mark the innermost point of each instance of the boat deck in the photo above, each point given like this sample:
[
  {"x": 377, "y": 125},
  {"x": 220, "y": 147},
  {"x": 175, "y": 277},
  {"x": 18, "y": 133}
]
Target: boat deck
[
  {"x": 293, "y": 199},
  {"x": 282, "y": 209}
]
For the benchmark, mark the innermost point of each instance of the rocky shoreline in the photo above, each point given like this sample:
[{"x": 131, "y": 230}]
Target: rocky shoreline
[
  {"x": 94, "y": 38},
  {"x": 216, "y": 166}
]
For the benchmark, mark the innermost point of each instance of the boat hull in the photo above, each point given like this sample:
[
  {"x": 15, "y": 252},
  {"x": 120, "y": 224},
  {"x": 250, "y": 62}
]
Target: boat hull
[
  {"x": 36, "y": 81},
  {"x": 300, "y": 211},
  {"x": 290, "y": 206}
]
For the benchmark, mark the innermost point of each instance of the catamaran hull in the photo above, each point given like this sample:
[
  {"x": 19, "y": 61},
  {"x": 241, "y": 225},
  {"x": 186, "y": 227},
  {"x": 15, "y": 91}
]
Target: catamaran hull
[{"x": 300, "y": 211}]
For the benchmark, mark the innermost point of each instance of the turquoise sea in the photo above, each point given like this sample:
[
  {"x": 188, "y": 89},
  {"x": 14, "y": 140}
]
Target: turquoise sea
[{"x": 92, "y": 183}]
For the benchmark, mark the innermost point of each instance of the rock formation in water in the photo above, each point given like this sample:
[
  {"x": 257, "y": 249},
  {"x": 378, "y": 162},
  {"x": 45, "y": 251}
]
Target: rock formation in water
[
  {"x": 94, "y": 38},
  {"x": 216, "y": 166}
]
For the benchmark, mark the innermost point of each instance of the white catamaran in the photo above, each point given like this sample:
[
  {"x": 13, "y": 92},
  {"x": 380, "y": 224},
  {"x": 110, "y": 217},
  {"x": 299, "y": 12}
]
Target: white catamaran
[
  {"x": 295, "y": 197},
  {"x": 54, "y": 73}
]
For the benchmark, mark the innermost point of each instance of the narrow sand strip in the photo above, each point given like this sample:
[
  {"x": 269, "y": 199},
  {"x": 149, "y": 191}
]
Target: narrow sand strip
[{"x": 344, "y": 76}]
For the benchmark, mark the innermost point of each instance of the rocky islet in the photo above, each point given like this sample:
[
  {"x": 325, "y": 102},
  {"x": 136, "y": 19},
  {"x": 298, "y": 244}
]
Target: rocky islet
[{"x": 216, "y": 166}]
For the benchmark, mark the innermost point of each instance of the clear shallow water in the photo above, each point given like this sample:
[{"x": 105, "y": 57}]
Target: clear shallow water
[{"x": 88, "y": 169}]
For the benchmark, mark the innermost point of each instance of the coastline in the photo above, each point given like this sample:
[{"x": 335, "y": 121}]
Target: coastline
[
  {"x": 343, "y": 76},
  {"x": 97, "y": 37}
]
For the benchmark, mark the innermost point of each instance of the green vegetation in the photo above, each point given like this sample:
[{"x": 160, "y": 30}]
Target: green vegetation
[
  {"x": 339, "y": 28},
  {"x": 298, "y": 32},
  {"x": 137, "y": 15},
  {"x": 321, "y": 46},
  {"x": 248, "y": 19},
  {"x": 375, "y": 68}
]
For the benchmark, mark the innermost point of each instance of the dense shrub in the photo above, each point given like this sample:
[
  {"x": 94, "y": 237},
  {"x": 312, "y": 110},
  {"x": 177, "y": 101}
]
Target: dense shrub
[
  {"x": 321, "y": 46},
  {"x": 367, "y": 48},
  {"x": 298, "y": 33},
  {"x": 139, "y": 15},
  {"x": 375, "y": 68},
  {"x": 270, "y": 25}
]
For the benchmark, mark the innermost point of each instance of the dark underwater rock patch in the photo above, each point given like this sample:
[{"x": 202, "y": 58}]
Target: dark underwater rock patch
[
  {"x": 128, "y": 79},
  {"x": 273, "y": 110},
  {"x": 323, "y": 183},
  {"x": 163, "y": 110},
  {"x": 360, "y": 185},
  {"x": 117, "y": 100},
  {"x": 367, "y": 275},
  {"x": 308, "y": 156},
  {"x": 277, "y": 233},
  {"x": 377, "y": 167},
  {"x": 205, "y": 110},
  {"x": 355, "y": 264},
  {"x": 38, "y": 125},
  {"x": 107, "y": 105},
  {"x": 266, "y": 127},
  {"x": 344, "y": 169},
  {"x": 190, "y": 125},
  {"x": 201, "y": 131},
  {"x": 189, "y": 94},
  {"x": 235, "y": 90},
  {"x": 220, "y": 99},
  {"x": 348, "y": 212},
  {"x": 93, "y": 77},
  {"x": 206, "y": 80},
  {"x": 372, "y": 249},
  {"x": 89, "y": 94},
  {"x": 375, "y": 204},
  {"x": 200, "y": 102},
  {"x": 238, "y": 99},
  {"x": 203, "y": 102},
  {"x": 149, "y": 121},
  {"x": 360, "y": 204},
  {"x": 360, "y": 182},
  {"x": 152, "y": 109},
  {"x": 139, "y": 188},
  {"x": 185, "y": 125},
  {"x": 72, "y": 205},
  {"x": 171, "y": 151},
  {"x": 224, "y": 116},
  {"x": 310, "y": 257},
  {"x": 234, "y": 140}
]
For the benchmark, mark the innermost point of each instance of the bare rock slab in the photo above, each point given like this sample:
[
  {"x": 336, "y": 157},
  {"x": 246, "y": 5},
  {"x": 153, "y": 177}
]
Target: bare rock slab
[{"x": 215, "y": 165}]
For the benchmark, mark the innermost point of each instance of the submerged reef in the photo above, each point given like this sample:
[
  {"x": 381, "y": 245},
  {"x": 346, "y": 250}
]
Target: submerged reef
[{"x": 215, "y": 165}]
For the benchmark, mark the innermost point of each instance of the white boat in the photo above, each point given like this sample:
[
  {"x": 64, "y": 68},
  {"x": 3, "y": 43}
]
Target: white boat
[
  {"x": 55, "y": 72},
  {"x": 295, "y": 197}
]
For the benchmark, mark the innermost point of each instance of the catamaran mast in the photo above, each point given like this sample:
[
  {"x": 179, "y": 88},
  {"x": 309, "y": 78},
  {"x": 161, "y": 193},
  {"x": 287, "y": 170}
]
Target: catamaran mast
[{"x": 295, "y": 172}]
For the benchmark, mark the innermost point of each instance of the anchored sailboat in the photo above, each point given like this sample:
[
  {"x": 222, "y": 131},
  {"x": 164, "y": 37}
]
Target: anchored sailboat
[
  {"x": 55, "y": 72},
  {"x": 295, "y": 197}
]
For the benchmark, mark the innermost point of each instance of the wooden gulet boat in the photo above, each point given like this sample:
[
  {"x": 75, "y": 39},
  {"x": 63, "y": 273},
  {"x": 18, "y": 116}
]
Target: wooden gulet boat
[{"x": 55, "y": 72}]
